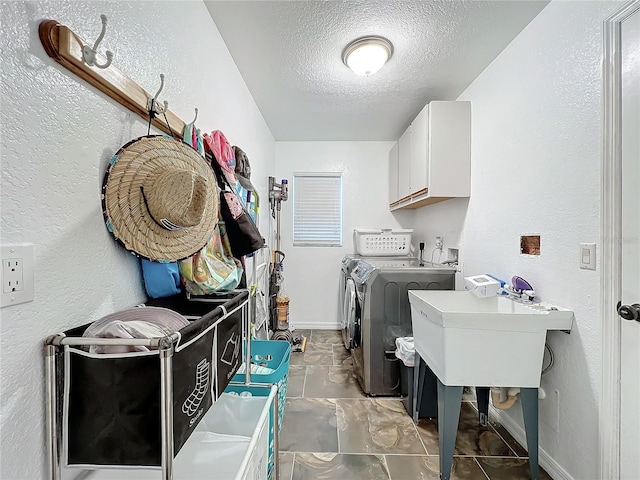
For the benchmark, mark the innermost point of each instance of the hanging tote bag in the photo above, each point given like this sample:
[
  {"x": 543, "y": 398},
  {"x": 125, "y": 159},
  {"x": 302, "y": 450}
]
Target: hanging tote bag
[
  {"x": 212, "y": 269},
  {"x": 244, "y": 236}
]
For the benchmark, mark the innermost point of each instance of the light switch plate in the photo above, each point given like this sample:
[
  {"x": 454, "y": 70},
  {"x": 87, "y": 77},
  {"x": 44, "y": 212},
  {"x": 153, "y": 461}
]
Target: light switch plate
[
  {"x": 588, "y": 256},
  {"x": 17, "y": 274}
]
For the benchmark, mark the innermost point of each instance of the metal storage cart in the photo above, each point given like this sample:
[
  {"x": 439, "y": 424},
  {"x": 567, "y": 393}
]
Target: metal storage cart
[{"x": 134, "y": 412}]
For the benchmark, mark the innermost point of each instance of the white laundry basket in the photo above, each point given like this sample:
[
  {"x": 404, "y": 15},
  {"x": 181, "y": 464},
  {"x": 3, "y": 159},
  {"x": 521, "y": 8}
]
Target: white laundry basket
[
  {"x": 382, "y": 242},
  {"x": 230, "y": 443}
]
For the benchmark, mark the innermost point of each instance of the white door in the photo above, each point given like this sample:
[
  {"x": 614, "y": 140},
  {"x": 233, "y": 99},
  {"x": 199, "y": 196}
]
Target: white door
[{"x": 630, "y": 249}]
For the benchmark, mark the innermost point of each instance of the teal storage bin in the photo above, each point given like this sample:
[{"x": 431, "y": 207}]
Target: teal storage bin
[{"x": 274, "y": 354}]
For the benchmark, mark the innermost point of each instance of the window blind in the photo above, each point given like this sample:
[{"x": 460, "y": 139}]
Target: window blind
[{"x": 317, "y": 209}]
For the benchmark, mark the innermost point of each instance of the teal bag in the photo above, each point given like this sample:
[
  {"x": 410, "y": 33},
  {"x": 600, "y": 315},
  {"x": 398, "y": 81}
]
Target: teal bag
[{"x": 161, "y": 279}]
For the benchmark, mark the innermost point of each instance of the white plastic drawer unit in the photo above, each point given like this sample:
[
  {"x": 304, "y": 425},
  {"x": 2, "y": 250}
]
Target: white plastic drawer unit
[
  {"x": 230, "y": 443},
  {"x": 492, "y": 341}
]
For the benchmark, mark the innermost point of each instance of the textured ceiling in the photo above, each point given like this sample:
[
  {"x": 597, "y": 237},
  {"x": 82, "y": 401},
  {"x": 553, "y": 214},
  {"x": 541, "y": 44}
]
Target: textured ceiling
[{"x": 289, "y": 54}]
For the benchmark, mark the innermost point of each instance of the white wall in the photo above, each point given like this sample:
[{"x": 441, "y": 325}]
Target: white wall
[
  {"x": 444, "y": 219},
  {"x": 57, "y": 135},
  {"x": 536, "y": 116},
  {"x": 312, "y": 273}
]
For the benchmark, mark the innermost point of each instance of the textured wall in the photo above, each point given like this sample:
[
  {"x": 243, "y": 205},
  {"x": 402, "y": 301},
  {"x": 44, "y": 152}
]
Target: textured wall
[
  {"x": 536, "y": 137},
  {"x": 312, "y": 273},
  {"x": 57, "y": 135}
]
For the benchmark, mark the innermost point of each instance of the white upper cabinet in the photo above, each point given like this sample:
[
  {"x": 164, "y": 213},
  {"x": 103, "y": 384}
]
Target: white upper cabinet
[
  {"x": 393, "y": 173},
  {"x": 419, "y": 171},
  {"x": 404, "y": 160},
  {"x": 434, "y": 156}
]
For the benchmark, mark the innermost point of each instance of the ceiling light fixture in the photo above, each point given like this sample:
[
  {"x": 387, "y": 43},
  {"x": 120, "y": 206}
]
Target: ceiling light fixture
[{"x": 366, "y": 55}]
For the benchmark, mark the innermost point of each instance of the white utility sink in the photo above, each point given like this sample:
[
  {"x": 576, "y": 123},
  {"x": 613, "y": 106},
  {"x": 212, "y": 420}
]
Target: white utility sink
[{"x": 492, "y": 341}]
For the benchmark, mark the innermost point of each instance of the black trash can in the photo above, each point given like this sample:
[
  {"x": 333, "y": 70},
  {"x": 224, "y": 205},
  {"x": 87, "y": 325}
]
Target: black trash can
[{"x": 429, "y": 400}]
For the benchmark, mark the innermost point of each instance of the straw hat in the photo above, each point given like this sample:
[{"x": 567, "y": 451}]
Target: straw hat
[{"x": 159, "y": 199}]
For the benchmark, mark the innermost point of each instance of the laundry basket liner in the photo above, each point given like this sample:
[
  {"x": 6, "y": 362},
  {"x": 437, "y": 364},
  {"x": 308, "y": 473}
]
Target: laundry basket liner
[{"x": 111, "y": 402}]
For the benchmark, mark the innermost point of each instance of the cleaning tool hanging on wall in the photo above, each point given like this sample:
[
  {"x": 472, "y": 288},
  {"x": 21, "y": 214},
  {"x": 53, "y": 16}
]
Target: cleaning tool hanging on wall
[
  {"x": 281, "y": 321},
  {"x": 279, "y": 300}
]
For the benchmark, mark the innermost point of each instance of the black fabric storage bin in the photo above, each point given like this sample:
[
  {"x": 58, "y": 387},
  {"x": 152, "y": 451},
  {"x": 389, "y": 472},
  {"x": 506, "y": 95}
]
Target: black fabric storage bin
[
  {"x": 111, "y": 411},
  {"x": 229, "y": 334}
]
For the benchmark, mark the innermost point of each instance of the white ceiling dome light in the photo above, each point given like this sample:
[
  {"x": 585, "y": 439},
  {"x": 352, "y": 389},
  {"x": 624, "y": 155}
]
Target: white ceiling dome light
[{"x": 366, "y": 55}]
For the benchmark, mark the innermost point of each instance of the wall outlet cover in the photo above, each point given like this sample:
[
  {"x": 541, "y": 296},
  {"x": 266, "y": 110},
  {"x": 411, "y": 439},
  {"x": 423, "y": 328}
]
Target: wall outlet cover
[{"x": 17, "y": 274}]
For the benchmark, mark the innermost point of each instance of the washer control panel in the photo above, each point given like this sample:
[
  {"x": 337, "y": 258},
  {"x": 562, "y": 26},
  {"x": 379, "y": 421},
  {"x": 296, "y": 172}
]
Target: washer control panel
[{"x": 362, "y": 272}]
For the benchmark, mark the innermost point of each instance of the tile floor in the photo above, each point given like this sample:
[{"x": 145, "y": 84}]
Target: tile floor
[{"x": 332, "y": 431}]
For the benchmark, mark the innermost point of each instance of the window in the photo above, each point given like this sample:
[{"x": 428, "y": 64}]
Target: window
[{"x": 317, "y": 209}]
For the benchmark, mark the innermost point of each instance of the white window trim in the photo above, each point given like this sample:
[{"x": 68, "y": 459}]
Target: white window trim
[{"x": 317, "y": 243}]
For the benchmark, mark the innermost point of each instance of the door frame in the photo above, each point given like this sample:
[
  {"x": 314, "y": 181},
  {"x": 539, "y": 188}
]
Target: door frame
[{"x": 611, "y": 237}]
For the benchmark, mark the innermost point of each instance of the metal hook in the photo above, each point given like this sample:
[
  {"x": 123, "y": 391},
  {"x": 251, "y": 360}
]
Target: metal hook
[
  {"x": 152, "y": 104},
  {"x": 196, "y": 117},
  {"x": 90, "y": 55}
]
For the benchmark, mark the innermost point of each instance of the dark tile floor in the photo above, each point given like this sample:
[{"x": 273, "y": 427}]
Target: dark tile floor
[{"x": 332, "y": 431}]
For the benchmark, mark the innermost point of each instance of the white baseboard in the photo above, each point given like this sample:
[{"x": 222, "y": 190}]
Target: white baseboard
[
  {"x": 546, "y": 461},
  {"x": 316, "y": 325}
]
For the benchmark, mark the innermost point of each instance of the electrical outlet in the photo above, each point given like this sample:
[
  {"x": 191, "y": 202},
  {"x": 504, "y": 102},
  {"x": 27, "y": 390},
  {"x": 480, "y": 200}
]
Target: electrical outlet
[
  {"x": 17, "y": 274},
  {"x": 11, "y": 275},
  {"x": 439, "y": 242}
]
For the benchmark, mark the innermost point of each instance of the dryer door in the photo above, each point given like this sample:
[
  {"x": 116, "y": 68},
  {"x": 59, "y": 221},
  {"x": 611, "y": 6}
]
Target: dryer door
[{"x": 349, "y": 314}]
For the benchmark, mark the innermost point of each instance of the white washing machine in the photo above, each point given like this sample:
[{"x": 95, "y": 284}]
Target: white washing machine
[{"x": 380, "y": 313}]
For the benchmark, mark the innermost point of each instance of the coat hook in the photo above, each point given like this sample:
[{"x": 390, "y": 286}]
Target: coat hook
[
  {"x": 89, "y": 55},
  {"x": 196, "y": 117},
  {"x": 152, "y": 103}
]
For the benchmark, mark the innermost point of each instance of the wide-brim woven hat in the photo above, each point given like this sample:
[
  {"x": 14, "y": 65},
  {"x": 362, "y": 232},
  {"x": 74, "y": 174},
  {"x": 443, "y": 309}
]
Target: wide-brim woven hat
[{"x": 159, "y": 199}]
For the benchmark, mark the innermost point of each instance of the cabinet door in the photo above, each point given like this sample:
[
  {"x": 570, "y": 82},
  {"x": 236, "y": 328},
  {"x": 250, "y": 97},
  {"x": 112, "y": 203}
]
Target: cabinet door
[
  {"x": 450, "y": 149},
  {"x": 404, "y": 164},
  {"x": 419, "y": 152},
  {"x": 393, "y": 173}
]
